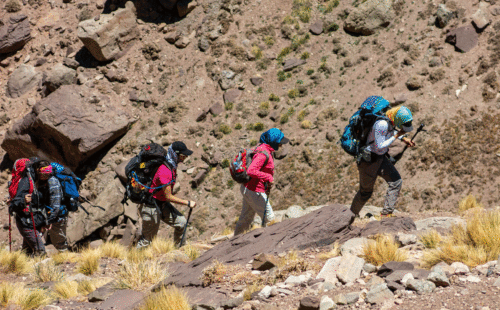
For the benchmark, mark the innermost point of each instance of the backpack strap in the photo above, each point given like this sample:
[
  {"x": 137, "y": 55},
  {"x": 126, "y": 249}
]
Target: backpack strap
[{"x": 262, "y": 152}]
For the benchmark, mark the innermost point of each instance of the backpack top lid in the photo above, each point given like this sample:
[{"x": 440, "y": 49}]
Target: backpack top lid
[
  {"x": 152, "y": 151},
  {"x": 375, "y": 104},
  {"x": 58, "y": 168},
  {"x": 17, "y": 174}
]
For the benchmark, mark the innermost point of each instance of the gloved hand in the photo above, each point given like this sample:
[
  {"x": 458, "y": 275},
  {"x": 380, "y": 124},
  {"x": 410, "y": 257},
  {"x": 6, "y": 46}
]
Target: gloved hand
[{"x": 53, "y": 215}]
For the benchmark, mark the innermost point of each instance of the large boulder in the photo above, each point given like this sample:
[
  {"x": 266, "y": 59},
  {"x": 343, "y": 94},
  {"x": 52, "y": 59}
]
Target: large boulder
[
  {"x": 14, "y": 34},
  {"x": 110, "y": 36},
  {"x": 369, "y": 16},
  {"x": 67, "y": 126},
  {"x": 81, "y": 225},
  {"x": 22, "y": 80},
  {"x": 58, "y": 76},
  {"x": 319, "y": 228}
]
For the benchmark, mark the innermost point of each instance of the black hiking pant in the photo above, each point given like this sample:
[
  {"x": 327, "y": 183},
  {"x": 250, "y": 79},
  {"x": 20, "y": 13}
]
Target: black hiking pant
[{"x": 32, "y": 243}]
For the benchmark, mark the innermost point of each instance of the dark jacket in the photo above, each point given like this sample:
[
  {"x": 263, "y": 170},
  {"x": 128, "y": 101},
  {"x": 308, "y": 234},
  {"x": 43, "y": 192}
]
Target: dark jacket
[
  {"x": 22, "y": 210},
  {"x": 45, "y": 203}
]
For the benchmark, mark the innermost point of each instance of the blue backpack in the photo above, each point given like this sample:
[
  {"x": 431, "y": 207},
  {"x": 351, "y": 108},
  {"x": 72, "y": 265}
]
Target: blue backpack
[
  {"x": 70, "y": 184},
  {"x": 356, "y": 133}
]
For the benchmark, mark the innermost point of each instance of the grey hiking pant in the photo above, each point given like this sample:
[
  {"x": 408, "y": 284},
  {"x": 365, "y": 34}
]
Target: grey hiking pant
[
  {"x": 368, "y": 172},
  {"x": 32, "y": 242},
  {"x": 58, "y": 234},
  {"x": 253, "y": 202},
  {"x": 151, "y": 216}
]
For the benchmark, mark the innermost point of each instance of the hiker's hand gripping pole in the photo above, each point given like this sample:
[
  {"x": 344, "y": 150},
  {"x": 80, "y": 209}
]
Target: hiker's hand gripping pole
[{"x": 400, "y": 155}]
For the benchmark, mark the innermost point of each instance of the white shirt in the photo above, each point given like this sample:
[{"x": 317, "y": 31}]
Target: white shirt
[{"x": 381, "y": 137}]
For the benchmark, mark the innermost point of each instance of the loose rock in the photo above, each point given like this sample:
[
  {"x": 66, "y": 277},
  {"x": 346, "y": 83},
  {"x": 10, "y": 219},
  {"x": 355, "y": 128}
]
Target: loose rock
[
  {"x": 350, "y": 268},
  {"x": 22, "y": 80},
  {"x": 309, "y": 303},
  {"x": 379, "y": 294},
  {"x": 112, "y": 35},
  {"x": 443, "y": 16},
  {"x": 316, "y": 28},
  {"x": 14, "y": 34}
]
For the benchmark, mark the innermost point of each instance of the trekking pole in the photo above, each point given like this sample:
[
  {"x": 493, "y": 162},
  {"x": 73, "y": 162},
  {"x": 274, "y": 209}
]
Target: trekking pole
[
  {"x": 31, "y": 210},
  {"x": 34, "y": 227},
  {"x": 265, "y": 207},
  {"x": 185, "y": 228},
  {"x": 400, "y": 155},
  {"x": 10, "y": 233}
]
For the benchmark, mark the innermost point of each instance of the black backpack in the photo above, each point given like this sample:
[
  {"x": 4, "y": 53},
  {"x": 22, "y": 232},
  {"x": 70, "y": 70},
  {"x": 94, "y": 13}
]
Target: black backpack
[{"x": 140, "y": 171}]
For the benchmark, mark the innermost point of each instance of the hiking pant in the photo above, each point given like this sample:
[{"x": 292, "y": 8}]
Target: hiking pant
[
  {"x": 253, "y": 202},
  {"x": 32, "y": 243},
  {"x": 58, "y": 234},
  {"x": 368, "y": 172},
  {"x": 151, "y": 216}
]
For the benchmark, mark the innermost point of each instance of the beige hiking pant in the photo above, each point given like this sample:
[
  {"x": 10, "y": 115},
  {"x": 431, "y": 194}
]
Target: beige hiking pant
[
  {"x": 253, "y": 202},
  {"x": 151, "y": 216},
  {"x": 58, "y": 234}
]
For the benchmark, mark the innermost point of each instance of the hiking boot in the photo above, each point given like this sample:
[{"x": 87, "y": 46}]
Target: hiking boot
[
  {"x": 383, "y": 216},
  {"x": 142, "y": 243}
]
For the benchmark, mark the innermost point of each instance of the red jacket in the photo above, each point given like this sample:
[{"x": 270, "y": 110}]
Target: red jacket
[{"x": 258, "y": 172}]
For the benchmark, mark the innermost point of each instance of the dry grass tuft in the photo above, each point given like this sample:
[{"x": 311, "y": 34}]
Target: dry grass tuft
[
  {"x": 468, "y": 203},
  {"x": 135, "y": 255},
  {"x": 334, "y": 252},
  {"x": 213, "y": 273},
  {"x": 306, "y": 124},
  {"x": 291, "y": 264},
  {"x": 227, "y": 231},
  {"x": 15, "y": 262},
  {"x": 383, "y": 250},
  {"x": 244, "y": 277},
  {"x": 431, "y": 239},
  {"x": 474, "y": 244},
  {"x": 139, "y": 275},
  {"x": 170, "y": 298},
  {"x": 161, "y": 246},
  {"x": 86, "y": 287},
  {"x": 65, "y": 257},
  {"x": 250, "y": 289},
  {"x": 89, "y": 261},
  {"x": 45, "y": 272},
  {"x": 66, "y": 289},
  {"x": 10, "y": 292},
  {"x": 191, "y": 251},
  {"x": 33, "y": 299},
  {"x": 113, "y": 250}
]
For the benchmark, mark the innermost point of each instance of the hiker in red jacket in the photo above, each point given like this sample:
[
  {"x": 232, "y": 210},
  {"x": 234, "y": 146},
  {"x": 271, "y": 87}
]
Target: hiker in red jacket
[
  {"x": 261, "y": 170},
  {"x": 163, "y": 208}
]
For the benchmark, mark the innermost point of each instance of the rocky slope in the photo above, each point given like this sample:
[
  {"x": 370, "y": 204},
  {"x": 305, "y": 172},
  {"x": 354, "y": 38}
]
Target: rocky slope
[{"x": 219, "y": 75}]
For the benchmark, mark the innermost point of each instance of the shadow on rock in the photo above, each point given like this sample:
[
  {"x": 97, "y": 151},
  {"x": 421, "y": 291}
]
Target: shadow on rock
[{"x": 148, "y": 11}]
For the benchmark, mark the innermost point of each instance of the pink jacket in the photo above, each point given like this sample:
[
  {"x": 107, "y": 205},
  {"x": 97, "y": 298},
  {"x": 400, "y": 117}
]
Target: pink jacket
[{"x": 258, "y": 172}]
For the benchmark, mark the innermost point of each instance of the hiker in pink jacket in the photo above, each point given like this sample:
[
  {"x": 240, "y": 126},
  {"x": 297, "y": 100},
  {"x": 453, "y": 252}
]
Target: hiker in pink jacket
[{"x": 261, "y": 170}]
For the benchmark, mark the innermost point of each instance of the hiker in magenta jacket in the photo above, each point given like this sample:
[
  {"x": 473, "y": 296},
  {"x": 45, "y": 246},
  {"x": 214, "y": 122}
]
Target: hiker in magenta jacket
[{"x": 255, "y": 192}]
